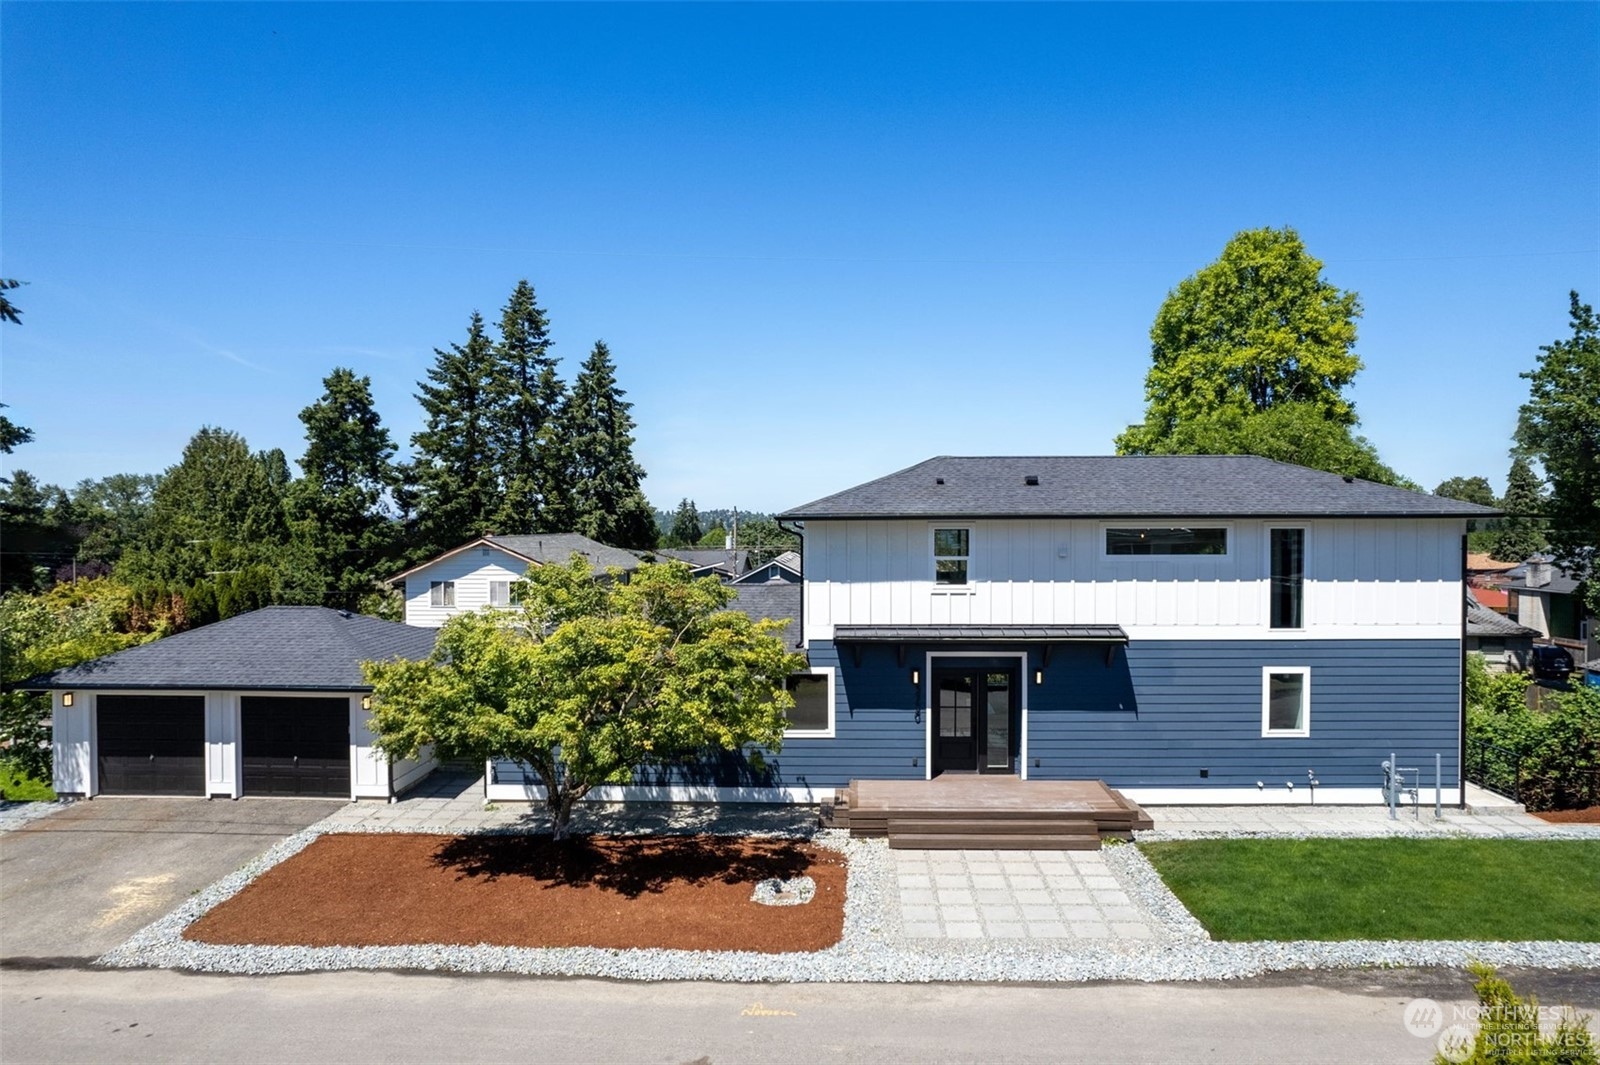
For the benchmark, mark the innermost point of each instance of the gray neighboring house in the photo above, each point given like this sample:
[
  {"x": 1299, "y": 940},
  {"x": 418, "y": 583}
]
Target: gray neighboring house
[
  {"x": 1505, "y": 645},
  {"x": 271, "y": 702},
  {"x": 784, "y": 568},
  {"x": 1545, "y": 598},
  {"x": 723, "y": 563},
  {"x": 481, "y": 572}
]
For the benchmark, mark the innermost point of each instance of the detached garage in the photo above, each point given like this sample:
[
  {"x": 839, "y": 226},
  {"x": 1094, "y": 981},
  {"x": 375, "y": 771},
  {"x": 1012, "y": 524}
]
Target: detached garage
[{"x": 266, "y": 703}]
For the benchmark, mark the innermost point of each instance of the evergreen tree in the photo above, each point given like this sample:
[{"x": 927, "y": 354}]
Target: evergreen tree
[
  {"x": 1520, "y": 532},
  {"x": 455, "y": 481},
  {"x": 608, "y": 504},
  {"x": 338, "y": 505},
  {"x": 1560, "y": 425},
  {"x": 11, "y": 434},
  {"x": 686, "y": 531},
  {"x": 526, "y": 397}
]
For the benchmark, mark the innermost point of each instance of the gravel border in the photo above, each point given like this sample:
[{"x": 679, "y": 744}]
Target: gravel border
[{"x": 871, "y": 950}]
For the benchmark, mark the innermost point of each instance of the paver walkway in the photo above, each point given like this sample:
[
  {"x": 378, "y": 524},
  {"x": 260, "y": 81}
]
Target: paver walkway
[{"x": 1015, "y": 895}]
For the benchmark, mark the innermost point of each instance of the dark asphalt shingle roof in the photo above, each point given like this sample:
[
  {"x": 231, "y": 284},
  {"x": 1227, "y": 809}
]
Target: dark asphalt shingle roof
[
  {"x": 1481, "y": 621},
  {"x": 558, "y": 548},
  {"x": 1106, "y": 486},
  {"x": 778, "y": 601},
  {"x": 278, "y": 648},
  {"x": 919, "y": 633}
]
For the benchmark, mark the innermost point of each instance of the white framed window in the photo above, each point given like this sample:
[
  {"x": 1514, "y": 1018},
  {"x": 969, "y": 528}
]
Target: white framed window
[
  {"x": 1165, "y": 541},
  {"x": 1286, "y": 700},
  {"x": 500, "y": 594},
  {"x": 441, "y": 593},
  {"x": 812, "y": 714},
  {"x": 952, "y": 555}
]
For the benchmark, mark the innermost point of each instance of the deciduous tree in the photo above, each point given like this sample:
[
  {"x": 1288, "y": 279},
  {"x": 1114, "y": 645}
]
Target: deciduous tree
[
  {"x": 591, "y": 679},
  {"x": 1468, "y": 489},
  {"x": 1560, "y": 425}
]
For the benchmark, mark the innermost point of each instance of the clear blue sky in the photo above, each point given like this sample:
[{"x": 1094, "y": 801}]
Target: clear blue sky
[{"x": 823, "y": 242}]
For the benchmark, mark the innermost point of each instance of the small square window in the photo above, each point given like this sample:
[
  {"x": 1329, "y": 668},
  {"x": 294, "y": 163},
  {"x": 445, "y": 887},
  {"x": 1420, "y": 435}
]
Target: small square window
[
  {"x": 441, "y": 593},
  {"x": 813, "y": 703},
  {"x": 1286, "y": 701}
]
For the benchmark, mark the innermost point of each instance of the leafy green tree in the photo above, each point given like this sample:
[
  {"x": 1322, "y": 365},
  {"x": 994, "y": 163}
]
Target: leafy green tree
[
  {"x": 1560, "y": 425},
  {"x": 115, "y": 511},
  {"x": 766, "y": 540},
  {"x": 1468, "y": 489},
  {"x": 338, "y": 505},
  {"x": 455, "y": 478},
  {"x": 597, "y": 679},
  {"x": 715, "y": 537},
  {"x": 527, "y": 397},
  {"x": 1254, "y": 330},
  {"x": 686, "y": 531},
  {"x": 608, "y": 503},
  {"x": 33, "y": 541},
  {"x": 218, "y": 530},
  {"x": 1520, "y": 534},
  {"x": 12, "y": 435}
]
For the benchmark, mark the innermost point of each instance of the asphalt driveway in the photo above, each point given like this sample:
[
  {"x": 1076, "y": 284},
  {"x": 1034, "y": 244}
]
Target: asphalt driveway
[{"x": 78, "y": 882}]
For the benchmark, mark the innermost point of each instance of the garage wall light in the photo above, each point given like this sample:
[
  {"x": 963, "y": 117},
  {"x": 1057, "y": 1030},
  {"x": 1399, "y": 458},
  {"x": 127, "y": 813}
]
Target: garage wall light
[
  {"x": 366, "y": 702},
  {"x": 66, "y": 698}
]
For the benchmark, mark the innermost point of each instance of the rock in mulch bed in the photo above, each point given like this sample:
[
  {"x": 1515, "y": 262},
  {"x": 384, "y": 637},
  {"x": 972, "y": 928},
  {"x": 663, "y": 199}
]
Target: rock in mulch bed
[{"x": 681, "y": 892}]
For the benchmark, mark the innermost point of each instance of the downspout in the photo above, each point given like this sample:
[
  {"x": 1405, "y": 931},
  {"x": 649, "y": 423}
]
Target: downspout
[
  {"x": 799, "y": 530},
  {"x": 1461, "y": 681}
]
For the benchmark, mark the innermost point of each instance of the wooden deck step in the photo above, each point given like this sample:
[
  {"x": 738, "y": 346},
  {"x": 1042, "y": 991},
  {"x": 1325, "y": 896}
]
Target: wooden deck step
[
  {"x": 990, "y": 841},
  {"x": 929, "y": 826}
]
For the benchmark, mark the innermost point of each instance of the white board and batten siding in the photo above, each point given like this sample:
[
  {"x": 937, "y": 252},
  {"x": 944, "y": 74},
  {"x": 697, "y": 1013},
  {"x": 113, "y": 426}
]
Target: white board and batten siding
[
  {"x": 471, "y": 570},
  {"x": 1364, "y": 579}
]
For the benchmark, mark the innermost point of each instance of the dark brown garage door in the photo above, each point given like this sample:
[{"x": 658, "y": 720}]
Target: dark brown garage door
[
  {"x": 296, "y": 746},
  {"x": 152, "y": 744}
]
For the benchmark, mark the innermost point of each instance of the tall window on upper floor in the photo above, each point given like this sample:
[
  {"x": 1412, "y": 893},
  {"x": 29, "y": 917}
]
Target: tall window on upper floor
[
  {"x": 1288, "y": 550},
  {"x": 441, "y": 593},
  {"x": 952, "y": 550},
  {"x": 1166, "y": 541}
]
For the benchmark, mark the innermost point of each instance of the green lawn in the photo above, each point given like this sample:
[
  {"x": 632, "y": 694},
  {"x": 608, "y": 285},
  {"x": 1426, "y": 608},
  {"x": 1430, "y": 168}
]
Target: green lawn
[
  {"x": 1488, "y": 889},
  {"x": 18, "y": 786}
]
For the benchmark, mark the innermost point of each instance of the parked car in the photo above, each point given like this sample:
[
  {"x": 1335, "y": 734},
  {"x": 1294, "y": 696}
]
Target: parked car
[{"x": 1549, "y": 662}]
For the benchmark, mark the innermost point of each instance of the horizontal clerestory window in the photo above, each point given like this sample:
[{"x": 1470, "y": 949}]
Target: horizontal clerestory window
[{"x": 1154, "y": 540}]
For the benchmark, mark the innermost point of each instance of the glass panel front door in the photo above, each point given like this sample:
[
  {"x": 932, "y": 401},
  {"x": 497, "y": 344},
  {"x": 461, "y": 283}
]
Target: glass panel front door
[{"x": 974, "y": 715}]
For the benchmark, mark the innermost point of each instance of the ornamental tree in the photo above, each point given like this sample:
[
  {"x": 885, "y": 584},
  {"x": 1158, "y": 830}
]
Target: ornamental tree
[{"x": 589, "y": 679}]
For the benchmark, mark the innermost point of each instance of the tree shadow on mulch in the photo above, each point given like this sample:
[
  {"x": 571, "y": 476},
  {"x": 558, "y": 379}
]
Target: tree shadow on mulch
[{"x": 630, "y": 866}]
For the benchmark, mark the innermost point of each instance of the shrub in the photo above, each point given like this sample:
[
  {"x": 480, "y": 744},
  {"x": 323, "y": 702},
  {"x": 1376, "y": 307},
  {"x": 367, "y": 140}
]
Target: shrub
[{"x": 1509, "y": 1032}]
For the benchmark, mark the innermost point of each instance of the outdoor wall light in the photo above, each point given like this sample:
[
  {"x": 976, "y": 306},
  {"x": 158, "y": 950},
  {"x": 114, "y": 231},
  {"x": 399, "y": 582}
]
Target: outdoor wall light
[
  {"x": 366, "y": 702},
  {"x": 1038, "y": 676},
  {"x": 916, "y": 676},
  {"x": 66, "y": 698}
]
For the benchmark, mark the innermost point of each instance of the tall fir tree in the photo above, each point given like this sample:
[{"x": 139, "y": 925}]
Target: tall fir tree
[
  {"x": 1521, "y": 531},
  {"x": 686, "y": 530},
  {"x": 608, "y": 504},
  {"x": 526, "y": 396},
  {"x": 338, "y": 506},
  {"x": 455, "y": 482}
]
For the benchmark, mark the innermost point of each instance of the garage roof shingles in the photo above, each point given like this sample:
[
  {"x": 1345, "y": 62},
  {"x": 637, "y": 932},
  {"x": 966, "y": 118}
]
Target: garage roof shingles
[
  {"x": 1125, "y": 486},
  {"x": 278, "y": 648}
]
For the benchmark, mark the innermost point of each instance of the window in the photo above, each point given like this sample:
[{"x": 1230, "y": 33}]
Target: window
[
  {"x": 500, "y": 594},
  {"x": 441, "y": 593},
  {"x": 951, "y": 553},
  {"x": 813, "y": 703},
  {"x": 1288, "y": 570},
  {"x": 1286, "y": 701},
  {"x": 1167, "y": 541}
]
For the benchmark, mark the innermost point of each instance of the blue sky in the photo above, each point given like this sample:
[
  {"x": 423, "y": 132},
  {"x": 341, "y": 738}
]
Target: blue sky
[{"x": 823, "y": 242}]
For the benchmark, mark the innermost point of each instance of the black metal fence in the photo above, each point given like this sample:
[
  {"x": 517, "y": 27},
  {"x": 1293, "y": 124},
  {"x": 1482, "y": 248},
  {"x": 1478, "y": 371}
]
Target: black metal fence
[{"x": 1505, "y": 771}]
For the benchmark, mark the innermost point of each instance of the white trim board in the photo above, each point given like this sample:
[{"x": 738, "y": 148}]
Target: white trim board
[{"x": 802, "y": 795}]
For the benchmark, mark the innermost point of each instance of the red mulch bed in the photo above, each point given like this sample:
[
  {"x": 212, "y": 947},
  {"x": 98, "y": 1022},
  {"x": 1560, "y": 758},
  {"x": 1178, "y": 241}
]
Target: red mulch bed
[
  {"x": 1589, "y": 816},
  {"x": 683, "y": 892}
]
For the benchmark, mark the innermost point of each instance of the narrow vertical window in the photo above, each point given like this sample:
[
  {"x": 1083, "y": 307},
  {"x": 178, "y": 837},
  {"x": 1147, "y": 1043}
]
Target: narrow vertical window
[
  {"x": 950, "y": 555},
  {"x": 1288, "y": 549}
]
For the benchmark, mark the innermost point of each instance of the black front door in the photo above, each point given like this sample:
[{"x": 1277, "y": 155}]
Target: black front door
[
  {"x": 151, "y": 744},
  {"x": 295, "y": 746},
  {"x": 974, "y": 720}
]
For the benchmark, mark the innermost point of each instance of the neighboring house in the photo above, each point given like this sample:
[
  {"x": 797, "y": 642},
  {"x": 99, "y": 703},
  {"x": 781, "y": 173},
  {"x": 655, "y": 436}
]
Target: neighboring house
[
  {"x": 481, "y": 573},
  {"x": 1186, "y": 628},
  {"x": 1545, "y": 598},
  {"x": 784, "y": 568},
  {"x": 1504, "y": 644},
  {"x": 727, "y": 564},
  {"x": 271, "y": 702}
]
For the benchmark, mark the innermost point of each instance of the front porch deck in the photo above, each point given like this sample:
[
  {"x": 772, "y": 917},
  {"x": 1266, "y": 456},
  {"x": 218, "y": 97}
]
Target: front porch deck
[{"x": 959, "y": 812}]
